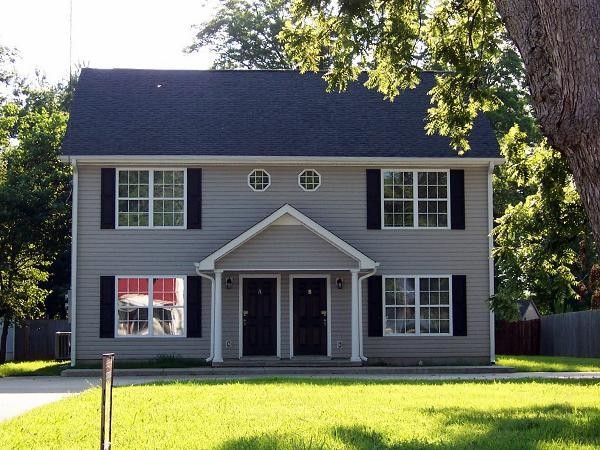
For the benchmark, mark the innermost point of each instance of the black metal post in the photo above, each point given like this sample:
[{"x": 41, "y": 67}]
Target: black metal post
[{"x": 108, "y": 360}]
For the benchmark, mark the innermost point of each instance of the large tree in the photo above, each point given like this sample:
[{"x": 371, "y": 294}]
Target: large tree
[
  {"x": 243, "y": 34},
  {"x": 34, "y": 201},
  {"x": 534, "y": 191},
  {"x": 556, "y": 39}
]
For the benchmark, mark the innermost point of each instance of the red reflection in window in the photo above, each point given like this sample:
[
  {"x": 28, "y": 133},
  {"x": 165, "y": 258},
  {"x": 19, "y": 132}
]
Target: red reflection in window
[
  {"x": 133, "y": 286},
  {"x": 165, "y": 291}
]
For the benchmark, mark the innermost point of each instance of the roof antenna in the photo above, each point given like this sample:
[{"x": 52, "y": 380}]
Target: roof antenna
[{"x": 70, "y": 37}]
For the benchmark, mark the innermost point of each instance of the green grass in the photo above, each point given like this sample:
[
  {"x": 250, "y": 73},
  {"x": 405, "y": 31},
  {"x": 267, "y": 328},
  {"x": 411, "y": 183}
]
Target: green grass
[
  {"x": 32, "y": 368},
  {"x": 323, "y": 414},
  {"x": 549, "y": 363}
]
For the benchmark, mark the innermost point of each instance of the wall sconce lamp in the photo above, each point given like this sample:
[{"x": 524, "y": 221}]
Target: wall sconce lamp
[
  {"x": 228, "y": 283},
  {"x": 339, "y": 283}
]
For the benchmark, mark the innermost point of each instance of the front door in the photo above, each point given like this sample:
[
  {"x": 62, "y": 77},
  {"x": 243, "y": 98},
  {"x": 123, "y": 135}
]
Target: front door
[
  {"x": 310, "y": 316},
  {"x": 259, "y": 316}
]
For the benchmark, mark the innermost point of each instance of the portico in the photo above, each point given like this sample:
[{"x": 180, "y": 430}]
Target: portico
[{"x": 297, "y": 288}]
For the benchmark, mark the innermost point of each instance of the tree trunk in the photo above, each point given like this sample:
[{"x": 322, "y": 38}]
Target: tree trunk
[
  {"x": 3, "y": 339},
  {"x": 559, "y": 41}
]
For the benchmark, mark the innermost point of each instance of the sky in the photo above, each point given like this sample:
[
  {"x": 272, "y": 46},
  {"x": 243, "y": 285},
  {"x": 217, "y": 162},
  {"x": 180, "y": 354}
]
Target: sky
[{"x": 106, "y": 34}]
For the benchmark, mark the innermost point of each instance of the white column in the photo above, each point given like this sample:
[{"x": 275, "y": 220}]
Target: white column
[
  {"x": 218, "y": 339},
  {"x": 355, "y": 336}
]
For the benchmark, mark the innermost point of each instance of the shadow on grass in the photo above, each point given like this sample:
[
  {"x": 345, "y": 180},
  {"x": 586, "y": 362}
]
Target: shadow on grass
[{"x": 510, "y": 428}]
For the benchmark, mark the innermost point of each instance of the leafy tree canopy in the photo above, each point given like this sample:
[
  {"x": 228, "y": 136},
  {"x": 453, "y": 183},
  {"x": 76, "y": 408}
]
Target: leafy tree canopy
[
  {"x": 243, "y": 34},
  {"x": 544, "y": 249},
  {"x": 34, "y": 200}
]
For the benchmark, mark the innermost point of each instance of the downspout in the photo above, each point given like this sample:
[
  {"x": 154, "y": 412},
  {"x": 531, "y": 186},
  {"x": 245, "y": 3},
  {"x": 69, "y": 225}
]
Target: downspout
[
  {"x": 490, "y": 202},
  {"x": 360, "y": 315},
  {"x": 212, "y": 312},
  {"x": 73, "y": 299}
]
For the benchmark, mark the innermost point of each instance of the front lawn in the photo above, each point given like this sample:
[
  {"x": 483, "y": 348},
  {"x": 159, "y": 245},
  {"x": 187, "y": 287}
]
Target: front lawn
[
  {"x": 29, "y": 368},
  {"x": 549, "y": 363},
  {"x": 323, "y": 414}
]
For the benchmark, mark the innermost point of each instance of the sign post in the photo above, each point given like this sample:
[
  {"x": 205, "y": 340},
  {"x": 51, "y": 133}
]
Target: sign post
[{"x": 108, "y": 360}]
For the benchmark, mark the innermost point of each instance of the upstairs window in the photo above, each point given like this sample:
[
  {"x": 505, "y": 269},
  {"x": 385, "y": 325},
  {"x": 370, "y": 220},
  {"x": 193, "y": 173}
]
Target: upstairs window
[
  {"x": 415, "y": 198},
  {"x": 151, "y": 198},
  {"x": 259, "y": 180},
  {"x": 309, "y": 180}
]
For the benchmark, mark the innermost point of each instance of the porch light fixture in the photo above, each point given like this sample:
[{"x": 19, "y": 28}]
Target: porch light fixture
[
  {"x": 339, "y": 283},
  {"x": 228, "y": 283}
]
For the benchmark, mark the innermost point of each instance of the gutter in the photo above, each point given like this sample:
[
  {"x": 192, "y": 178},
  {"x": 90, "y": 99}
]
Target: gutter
[
  {"x": 362, "y": 161},
  {"x": 212, "y": 313},
  {"x": 361, "y": 353},
  {"x": 73, "y": 306},
  {"x": 492, "y": 290}
]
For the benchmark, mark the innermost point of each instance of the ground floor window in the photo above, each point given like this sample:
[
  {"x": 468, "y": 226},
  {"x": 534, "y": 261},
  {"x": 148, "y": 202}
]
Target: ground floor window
[
  {"x": 150, "y": 306},
  {"x": 417, "y": 305}
]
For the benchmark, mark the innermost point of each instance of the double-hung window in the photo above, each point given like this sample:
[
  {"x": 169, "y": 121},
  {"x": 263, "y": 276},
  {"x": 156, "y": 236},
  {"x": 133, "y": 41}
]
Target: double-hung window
[
  {"x": 417, "y": 305},
  {"x": 151, "y": 198},
  {"x": 415, "y": 198},
  {"x": 150, "y": 306}
]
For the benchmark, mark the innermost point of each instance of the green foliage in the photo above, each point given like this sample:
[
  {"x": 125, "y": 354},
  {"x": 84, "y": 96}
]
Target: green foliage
[
  {"x": 391, "y": 41},
  {"x": 538, "y": 238},
  {"x": 34, "y": 200},
  {"x": 243, "y": 35}
]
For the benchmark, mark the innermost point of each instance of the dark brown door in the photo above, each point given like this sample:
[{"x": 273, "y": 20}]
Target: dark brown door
[
  {"x": 310, "y": 316},
  {"x": 259, "y": 316}
]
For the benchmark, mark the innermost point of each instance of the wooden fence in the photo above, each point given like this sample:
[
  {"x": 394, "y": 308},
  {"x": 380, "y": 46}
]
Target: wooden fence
[
  {"x": 36, "y": 339},
  {"x": 571, "y": 334},
  {"x": 518, "y": 338}
]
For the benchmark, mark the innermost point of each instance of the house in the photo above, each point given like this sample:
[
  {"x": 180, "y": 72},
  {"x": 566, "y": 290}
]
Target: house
[
  {"x": 527, "y": 310},
  {"x": 245, "y": 216}
]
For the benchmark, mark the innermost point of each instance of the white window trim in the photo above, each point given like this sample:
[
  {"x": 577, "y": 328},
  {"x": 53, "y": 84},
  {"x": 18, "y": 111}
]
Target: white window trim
[
  {"x": 418, "y": 305},
  {"x": 415, "y": 199},
  {"x": 151, "y": 199},
  {"x": 259, "y": 190},
  {"x": 150, "y": 308},
  {"x": 318, "y": 185}
]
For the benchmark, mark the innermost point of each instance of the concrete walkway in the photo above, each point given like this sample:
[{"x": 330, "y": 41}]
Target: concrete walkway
[{"x": 21, "y": 394}]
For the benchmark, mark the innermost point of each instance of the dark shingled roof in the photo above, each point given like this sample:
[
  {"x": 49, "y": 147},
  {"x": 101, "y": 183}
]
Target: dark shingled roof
[{"x": 251, "y": 113}]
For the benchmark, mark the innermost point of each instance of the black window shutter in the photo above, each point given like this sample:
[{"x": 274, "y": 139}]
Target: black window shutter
[
  {"x": 194, "y": 198},
  {"x": 194, "y": 306},
  {"x": 107, "y": 307},
  {"x": 373, "y": 199},
  {"x": 107, "y": 198},
  {"x": 457, "y": 199},
  {"x": 375, "y": 303},
  {"x": 459, "y": 305}
]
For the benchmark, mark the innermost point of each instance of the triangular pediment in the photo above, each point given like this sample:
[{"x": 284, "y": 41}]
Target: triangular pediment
[{"x": 287, "y": 240}]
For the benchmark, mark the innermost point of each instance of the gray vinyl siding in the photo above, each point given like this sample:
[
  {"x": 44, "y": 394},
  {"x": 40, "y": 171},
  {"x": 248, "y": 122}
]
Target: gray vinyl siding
[
  {"x": 304, "y": 250},
  {"x": 230, "y": 208}
]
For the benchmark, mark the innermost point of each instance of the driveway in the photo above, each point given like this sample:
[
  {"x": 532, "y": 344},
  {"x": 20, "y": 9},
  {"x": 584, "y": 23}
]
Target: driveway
[{"x": 21, "y": 394}]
